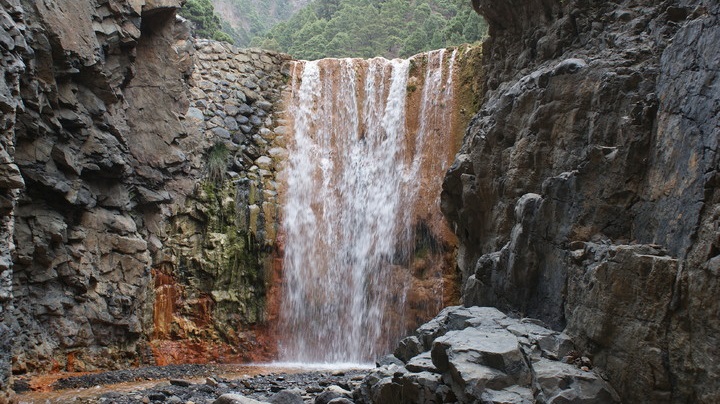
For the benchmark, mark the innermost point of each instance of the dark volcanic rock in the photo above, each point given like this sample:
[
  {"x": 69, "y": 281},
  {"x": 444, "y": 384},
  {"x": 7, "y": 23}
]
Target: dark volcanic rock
[
  {"x": 586, "y": 191},
  {"x": 487, "y": 357},
  {"x": 101, "y": 161}
]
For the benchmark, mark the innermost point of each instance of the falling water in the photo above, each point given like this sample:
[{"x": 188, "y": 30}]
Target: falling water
[{"x": 352, "y": 184}]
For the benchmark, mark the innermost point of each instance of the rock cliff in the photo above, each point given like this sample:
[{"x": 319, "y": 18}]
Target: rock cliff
[
  {"x": 121, "y": 202},
  {"x": 586, "y": 190}
]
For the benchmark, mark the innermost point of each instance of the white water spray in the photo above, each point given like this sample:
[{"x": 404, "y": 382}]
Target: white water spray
[{"x": 351, "y": 187}]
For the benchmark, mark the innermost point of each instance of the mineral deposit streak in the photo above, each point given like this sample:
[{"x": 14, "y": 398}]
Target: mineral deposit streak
[{"x": 352, "y": 185}]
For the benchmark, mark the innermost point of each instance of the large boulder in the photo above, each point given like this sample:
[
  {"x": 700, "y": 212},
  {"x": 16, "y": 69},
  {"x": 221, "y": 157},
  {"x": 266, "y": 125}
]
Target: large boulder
[{"x": 479, "y": 354}]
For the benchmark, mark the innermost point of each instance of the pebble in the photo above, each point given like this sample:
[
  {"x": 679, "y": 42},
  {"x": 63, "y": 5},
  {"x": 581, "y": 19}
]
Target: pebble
[{"x": 178, "y": 390}]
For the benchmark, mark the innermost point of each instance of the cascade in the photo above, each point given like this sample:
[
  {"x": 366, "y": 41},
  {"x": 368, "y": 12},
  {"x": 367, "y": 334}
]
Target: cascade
[{"x": 361, "y": 220}]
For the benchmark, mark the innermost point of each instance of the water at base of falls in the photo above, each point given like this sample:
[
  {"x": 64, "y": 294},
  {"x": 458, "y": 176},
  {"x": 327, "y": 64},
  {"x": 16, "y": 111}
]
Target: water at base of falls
[{"x": 349, "y": 206}]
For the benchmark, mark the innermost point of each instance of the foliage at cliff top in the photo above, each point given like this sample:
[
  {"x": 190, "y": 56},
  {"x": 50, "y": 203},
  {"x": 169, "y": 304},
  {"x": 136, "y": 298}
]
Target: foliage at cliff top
[
  {"x": 207, "y": 24},
  {"x": 368, "y": 28},
  {"x": 245, "y": 19}
]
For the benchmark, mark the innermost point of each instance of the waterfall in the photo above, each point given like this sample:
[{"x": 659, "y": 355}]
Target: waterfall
[{"x": 349, "y": 214}]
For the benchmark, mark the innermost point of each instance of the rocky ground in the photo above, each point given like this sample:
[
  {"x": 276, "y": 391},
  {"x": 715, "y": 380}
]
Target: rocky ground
[
  {"x": 464, "y": 355},
  {"x": 201, "y": 384}
]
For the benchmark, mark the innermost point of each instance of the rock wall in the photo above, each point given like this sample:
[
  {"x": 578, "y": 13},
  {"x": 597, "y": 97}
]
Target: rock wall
[
  {"x": 137, "y": 166},
  {"x": 81, "y": 266},
  {"x": 14, "y": 49},
  {"x": 586, "y": 191}
]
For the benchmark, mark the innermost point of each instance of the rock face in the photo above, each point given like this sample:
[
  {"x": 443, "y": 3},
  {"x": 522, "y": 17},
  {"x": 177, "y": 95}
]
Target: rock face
[
  {"x": 215, "y": 275},
  {"x": 82, "y": 259},
  {"x": 14, "y": 49},
  {"x": 586, "y": 191},
  {"x": 478, "y": 354},
  {"x": 120, "y": 199}
]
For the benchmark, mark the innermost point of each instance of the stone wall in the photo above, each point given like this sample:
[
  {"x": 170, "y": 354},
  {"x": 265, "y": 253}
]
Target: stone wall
[
  {"x": 585, "y": 193},
  {"x": 220, "y": 254}
]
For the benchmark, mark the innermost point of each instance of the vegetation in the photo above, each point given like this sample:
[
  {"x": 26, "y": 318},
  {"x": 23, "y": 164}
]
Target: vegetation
[
  {"x": 207, "y": 24},
  {"x": 368, "y": 28},
  {"x": 217, "y": 162},
  {"x": 245, "y": 19}
]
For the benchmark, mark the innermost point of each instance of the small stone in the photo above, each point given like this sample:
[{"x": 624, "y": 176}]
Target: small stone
[
  {"x": 222, "y": 133},
  {"x": 341, "y": 400},
  {"x": 264, "y": 105},
  {"x": 156, "y": 397},
  {"x": 195, "y": 114},
  {"x": 231, "y": 124}
]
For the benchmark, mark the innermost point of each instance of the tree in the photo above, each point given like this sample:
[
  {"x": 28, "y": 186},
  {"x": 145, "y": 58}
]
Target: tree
[
  {"x": 367, "y": 28},
  {"x": 202, "y": 15}
]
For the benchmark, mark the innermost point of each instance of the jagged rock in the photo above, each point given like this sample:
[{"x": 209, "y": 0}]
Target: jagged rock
[
  {"x": 563, "y": 383},
  {"x": 389, "y": 360},
  {"x": 579, "y": 159},
  {"x": 408, "y": 348},
  {"x": 511, "y": 395},
  {"x": 341, "y": 400},
  {"x": 481, "y": 355},
  {"x": 327, "y": 396}
]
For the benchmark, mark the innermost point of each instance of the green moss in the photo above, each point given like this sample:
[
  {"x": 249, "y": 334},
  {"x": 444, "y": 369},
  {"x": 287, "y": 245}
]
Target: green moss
[{"x": 217, "y": 162}]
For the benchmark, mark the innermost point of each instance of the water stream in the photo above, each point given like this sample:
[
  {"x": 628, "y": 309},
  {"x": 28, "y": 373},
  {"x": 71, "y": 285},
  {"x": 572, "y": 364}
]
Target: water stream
[{"x": 353, "y": 184}]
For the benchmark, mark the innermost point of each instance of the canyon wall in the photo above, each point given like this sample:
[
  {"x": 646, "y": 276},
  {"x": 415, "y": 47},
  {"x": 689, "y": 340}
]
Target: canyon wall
[
  {"x": 586, "y": 190},
  {"x": 137, "y": 189}
]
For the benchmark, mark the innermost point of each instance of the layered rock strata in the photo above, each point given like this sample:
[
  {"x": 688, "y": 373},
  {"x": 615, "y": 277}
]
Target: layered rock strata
[
  {"x": 82, "y": 259},
  {"x": 13, "y": 50},
  {"x": 586, "y": 191}
]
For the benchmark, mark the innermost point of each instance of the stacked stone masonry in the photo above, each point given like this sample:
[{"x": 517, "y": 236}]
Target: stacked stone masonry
[{"x": 220, "y": 250}]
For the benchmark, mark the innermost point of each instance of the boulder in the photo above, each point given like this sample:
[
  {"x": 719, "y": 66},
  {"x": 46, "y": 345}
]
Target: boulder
[
  {"x": 558, "y": 382},
  {"x": 286, "y": 397},
  {"x": 479, "y": 354}
]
